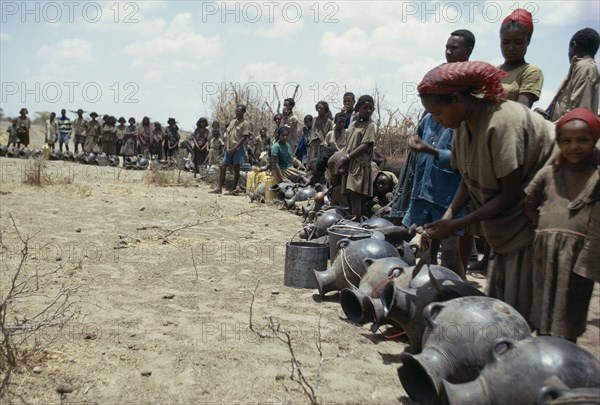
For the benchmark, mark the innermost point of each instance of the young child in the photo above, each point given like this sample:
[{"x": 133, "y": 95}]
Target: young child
[
  {"x": 383, "y": 194},
  {"x": 216, "y": 147},
  {"x": 355, "y": 164},
  {"x": 51, "y": 131},
  {"x": 565, "y": 249},
  {"x": 13, "y": 134},
  {"x": 199, "y": 141}
]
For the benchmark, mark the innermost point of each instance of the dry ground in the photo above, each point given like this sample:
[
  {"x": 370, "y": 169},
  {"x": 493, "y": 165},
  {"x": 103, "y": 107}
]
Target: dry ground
[{"x": 178, "y": 305}]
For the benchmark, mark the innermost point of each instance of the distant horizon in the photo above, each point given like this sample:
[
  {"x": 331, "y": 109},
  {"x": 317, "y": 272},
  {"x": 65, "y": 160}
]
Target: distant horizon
[{"x": 169, "y": 59}]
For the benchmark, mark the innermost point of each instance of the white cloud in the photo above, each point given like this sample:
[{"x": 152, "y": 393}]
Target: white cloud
[
  {"x": 173, "y": 49},
  {"x": 280, "y": 29},
  {"x": 65, "y": 59}
]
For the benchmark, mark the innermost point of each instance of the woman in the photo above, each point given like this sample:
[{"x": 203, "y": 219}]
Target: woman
[
  {"x": 498, "y": 146},
  {"x": 524, "y": 80}
]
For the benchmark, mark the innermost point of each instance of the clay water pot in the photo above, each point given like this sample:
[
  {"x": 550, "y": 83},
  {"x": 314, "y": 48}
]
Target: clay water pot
[
  {"x": 517, "y": 370},
  {"x": 260, "y": 189},
  {"x": 305, "y": 193},
  {"x": 290, "y": 202},
  {"x": 113, "y": 161},
  {"x": 324, "y": 220},
  {"x": 349, "y": 267},
  {"x": 55, "y": 154},
  {"x": 24, "y": 153},
  {"x": 3, "y": 150},
  {"x": 371, "y": 284},
  {"x": 91, "y": 158},
  {"x": 36, "y": 154},
  {"x": 142, "y": 163},
  {"x": 376, "y": 223},
  {"x": 456, "y": 344},
  {"x": 404, "y": 305},
  {"x": 289, "y": 193}
]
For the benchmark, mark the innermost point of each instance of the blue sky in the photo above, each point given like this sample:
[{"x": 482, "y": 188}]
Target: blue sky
[{"x": 167, "y": 59}]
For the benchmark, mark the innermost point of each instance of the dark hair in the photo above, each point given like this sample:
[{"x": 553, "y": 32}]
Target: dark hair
[
  {"x": 290, "y": 101},
  {"x": 467, "y": 35},
  {"x": 283, "y": 129},
  {"x": 308, "y": 116},
  {"x": 243, "y": 106},
  {"x": 276, "y": 116},
  {"x": 519, "y": 26},
  {"x": 324, "y": 104},
  {"x": 588, "y": 40},
  {"x": 349, "y": 94},
  {"x": 216, "y": 122},
  {"x": 340, "y": 115},
  {"x": 364, "y": 99},
  {"x": 202, "y": 120}
]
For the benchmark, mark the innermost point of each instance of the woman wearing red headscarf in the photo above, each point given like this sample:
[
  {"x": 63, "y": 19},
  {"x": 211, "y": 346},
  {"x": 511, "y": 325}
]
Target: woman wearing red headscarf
[
  {"x": 498, "y": 146},
  {"x": 524, "y": 81},
  {"x": 566, "y": 250}
]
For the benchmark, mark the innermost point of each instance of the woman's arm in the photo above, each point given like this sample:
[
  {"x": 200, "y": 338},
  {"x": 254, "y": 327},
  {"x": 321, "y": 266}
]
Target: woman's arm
[{"x": 510, "y": 192}]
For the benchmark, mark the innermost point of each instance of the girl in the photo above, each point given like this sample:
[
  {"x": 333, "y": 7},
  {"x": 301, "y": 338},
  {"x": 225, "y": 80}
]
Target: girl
[
  {"x": 524, "y": 80},
  {"x": 355, "y": 164},
  {"x": 498, "y": 146},
  {"x": 322, "y": 125},
  {"x": 200, "y": 143},
  {"x": 565, "y": 248},
  {"x": 144, "y": 137},
  {"x": 51, "y": 130}
]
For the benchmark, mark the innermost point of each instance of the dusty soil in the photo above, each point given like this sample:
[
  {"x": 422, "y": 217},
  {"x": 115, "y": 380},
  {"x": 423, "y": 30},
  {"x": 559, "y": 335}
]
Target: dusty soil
[{"x": 165, "y": 278}]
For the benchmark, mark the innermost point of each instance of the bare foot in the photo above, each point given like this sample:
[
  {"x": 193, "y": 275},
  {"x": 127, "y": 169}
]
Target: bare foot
[{"x": 216, "y": 191}]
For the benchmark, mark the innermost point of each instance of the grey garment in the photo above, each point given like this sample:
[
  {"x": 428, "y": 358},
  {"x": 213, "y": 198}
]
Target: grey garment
[{"x": 404, "y": 187}]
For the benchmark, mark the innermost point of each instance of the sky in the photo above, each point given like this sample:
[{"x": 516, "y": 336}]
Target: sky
[{"x": 170, "y": 58}]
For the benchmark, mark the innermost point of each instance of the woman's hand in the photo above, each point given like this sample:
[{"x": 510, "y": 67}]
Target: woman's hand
[
  {"x": 342, "y": 163},
  {"x": 420, "y": 146},
  {"x": 441, "y": 229}
]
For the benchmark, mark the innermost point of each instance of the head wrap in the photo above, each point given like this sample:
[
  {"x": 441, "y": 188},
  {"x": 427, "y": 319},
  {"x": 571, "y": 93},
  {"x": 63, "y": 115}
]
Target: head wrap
[
  {"x": 522, "y": 16},
  {"x": 474, "y": 77},
  {"x": 584, "y": 115}
]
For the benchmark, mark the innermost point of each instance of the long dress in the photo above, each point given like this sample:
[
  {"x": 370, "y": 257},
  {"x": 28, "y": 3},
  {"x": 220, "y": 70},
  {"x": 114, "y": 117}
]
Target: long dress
[
  {"x": 562, "y": 289},
  {"x": 129, "y": 147},
  {"x": 92, "y": 137},
  {"x": 200, "y": 135},
  {"x": 359, "y": 177}
]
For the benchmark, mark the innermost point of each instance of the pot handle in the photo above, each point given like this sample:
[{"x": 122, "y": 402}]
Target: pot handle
[
  {"x": 431, "y": 311},
  {"x": 508, "y": 342},
  {"x": 548, "y": 394},
  {"x": 343, "y": 243},
  {"x": 395, "y": 271}
]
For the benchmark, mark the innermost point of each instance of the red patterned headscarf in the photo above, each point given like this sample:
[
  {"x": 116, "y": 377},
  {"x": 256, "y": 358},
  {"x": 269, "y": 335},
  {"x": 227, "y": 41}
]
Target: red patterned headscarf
[
  {"x": 474, "y": 77},
  {"x": 585, "y": 115},
  {"x": 522, "y": 16}
]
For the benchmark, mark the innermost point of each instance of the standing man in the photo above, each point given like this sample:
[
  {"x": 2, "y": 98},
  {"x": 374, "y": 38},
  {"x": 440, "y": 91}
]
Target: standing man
[
  {"x": 79, "y": 129},
  {"x": 64, "y": 130},
  {"x": 580, "y": 87},
  {"x": 235, "y": 154},
  {"x": 289, "y": 119},
  {"x": 435, "y": 183}
]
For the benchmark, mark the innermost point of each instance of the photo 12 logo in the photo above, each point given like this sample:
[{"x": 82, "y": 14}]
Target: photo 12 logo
[
  {"x": 70, "y": 92},
  {"x": 253, "y": 12},
  {"x": 54, "y": 12}
]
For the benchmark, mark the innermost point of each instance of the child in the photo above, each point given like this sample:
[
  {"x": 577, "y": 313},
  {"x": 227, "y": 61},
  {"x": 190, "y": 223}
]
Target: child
[
  {"x": 565, "y": 249},
  {"x": 51, "y": 130},
  {"x": 216, "y": 147},
  {"x": 13, "y": 134},
  {"x": 199, "y": 141},
  {"x": 355, "y": 165},
  {"x": 383, "y": 194}
]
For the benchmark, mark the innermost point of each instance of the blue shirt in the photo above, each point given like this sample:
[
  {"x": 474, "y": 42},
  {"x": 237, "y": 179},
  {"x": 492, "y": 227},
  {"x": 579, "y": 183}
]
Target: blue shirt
[
  {"x": 434, "y": 180},
  {"x": 64, "y": 125}
]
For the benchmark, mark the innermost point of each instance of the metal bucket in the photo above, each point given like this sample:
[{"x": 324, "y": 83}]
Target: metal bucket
[
  {"x": 301, "y": 258},
  {"x": 339, "y": 232}
]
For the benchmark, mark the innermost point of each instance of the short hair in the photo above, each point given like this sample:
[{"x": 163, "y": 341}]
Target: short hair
[
  {"x": 588, "y": 40},
  {"x": 364, "y": 99},
  {"x": 243, "y": 106},
  {"x": 290, "y": 101},
  {"x": 467, "y": 35},
  {"x": 283, "y": 129},
  {"x": 340, "y": 115},
  {"x": 349, "y": 94},
  {"x": 308, "y": 117},
  {"x": 277, "y": 116},
  {"x": 202, "y": 120}
]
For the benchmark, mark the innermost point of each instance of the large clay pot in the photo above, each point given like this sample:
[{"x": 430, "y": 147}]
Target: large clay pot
[
  {"x": 324, "y": 220},
  {"x": 404, "y": 306},
  {"x": 3, "y": 150},
  {"x": 348, "y": 268},
  {"x": 305, "y": 193},
  {"x": 517, "y": 370},
  {"x": 376, "y": 223},
  {"x": 370, "y": 285},
  {"x": 456, "y": 344}
]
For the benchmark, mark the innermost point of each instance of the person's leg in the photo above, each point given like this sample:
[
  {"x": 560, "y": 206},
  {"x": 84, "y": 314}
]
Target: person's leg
[
  {"x": 222, "y": 171},
  {"x": 451, "y": 257},
  {"x": 465, "y": 245},
  {"x": 356, "y": 202},
  {"x": 236, "y": 177}
]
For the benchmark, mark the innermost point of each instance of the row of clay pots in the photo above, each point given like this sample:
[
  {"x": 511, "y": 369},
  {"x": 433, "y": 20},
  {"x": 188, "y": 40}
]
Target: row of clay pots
[{"x": 466, "y": 348}]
